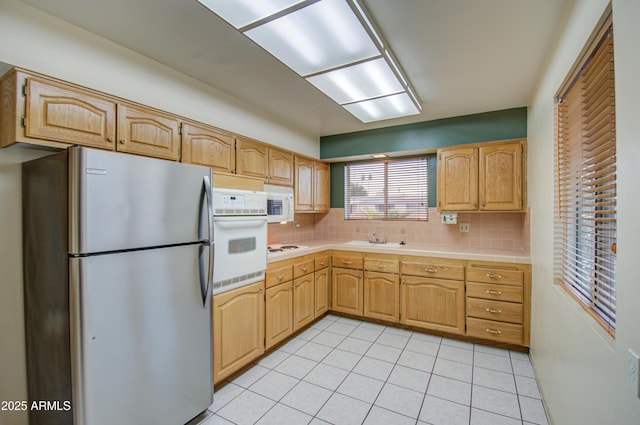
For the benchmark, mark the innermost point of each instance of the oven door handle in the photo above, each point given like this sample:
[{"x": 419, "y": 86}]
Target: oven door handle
[
  {"x": 239, "y": 222},
  {"x": 210, "y": 243}
]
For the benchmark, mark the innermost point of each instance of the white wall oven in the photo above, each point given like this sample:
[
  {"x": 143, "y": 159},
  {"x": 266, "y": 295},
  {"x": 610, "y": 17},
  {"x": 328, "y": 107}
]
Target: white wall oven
[
  {"x": 240, "y": 232},
  {"x": 279, "y": 203}
]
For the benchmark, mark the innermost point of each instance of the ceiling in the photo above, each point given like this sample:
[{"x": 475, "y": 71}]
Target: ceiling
[{"x": 462, "y": 56}]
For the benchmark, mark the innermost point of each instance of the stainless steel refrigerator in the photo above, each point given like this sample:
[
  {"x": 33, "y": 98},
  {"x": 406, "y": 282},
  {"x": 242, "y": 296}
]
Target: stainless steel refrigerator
[{"x": 118, "y": 265}]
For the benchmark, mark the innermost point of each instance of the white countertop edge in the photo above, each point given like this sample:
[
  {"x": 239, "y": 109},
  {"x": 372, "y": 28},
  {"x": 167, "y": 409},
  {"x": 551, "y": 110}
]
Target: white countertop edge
[{"x": 314, "y": 246}]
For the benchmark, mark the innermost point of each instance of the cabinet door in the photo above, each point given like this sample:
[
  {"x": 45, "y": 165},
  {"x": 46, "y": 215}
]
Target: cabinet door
[
  {"x": 303, "y": 305},
  {"x": 208, "y": 146},
  {"x": 238, "y": 329},
  {"x": 278, "y": 313},
  {"x": 143, "y": 131},
  {"x": 280, "y": 167},
  {"x": 432, "y": 304},
  {"x": 321, "y": 292},
  {"x": 500, "y": 177},
  {"x": 251, "y": 158},
  {"x": 346, "y": 291},
  {"x": 458, "y": 179},
  {"x": 321, "y": 187},
  {"x": 303, "y": 185},
  {"x": 70, "y": 115},
  {"x": 381, "y": 296}
]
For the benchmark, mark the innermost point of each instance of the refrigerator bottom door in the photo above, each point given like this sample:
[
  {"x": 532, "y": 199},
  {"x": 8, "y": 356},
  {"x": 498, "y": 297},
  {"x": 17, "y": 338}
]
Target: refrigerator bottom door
[{"x": 142, "y": 342}]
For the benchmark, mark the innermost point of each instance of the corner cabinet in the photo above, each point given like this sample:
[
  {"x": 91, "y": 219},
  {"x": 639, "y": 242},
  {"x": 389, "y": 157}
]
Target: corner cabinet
[
  {"x": 238, "y": 329},
  {"x": 482, "y": 177},
  {"x": 312, "y": 185}
]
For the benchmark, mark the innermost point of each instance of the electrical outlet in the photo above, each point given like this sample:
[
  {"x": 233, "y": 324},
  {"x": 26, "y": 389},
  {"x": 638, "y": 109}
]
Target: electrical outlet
[
  {"x": 464, "y": 227},
  {"x": 634, "y": 372}
]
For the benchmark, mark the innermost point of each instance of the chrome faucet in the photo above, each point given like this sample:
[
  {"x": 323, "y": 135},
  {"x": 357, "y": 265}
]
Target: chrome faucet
[{"x": 375, "y": 239}]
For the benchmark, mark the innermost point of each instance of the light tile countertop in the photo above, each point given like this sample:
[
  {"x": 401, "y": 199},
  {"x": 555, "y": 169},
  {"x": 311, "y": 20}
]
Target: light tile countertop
[{"x": 479, "y": 254}]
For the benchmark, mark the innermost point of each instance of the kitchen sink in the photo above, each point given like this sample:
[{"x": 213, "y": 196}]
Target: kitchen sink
[{"x": 381, "y": 245}]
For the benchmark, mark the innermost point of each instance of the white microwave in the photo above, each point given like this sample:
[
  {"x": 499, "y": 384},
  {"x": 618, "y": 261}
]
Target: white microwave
[{"x": 279, "y": 203}]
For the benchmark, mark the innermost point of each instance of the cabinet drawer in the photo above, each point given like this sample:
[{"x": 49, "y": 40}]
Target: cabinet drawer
[
  {"x": 382, "y": 265},
  {"x": 321, "y": 262},
  {"x": 346, "y": 261},
  {"x": 431, "y": 269},
  {"x": 303, "y": 268},
  {"x": 497, "y": 331},
  {"x": 498, "y": 276},
  {"x": 278, "y": 274},
  {"x": 495, "y": 310},
  {"x": 495, "y": 292}
]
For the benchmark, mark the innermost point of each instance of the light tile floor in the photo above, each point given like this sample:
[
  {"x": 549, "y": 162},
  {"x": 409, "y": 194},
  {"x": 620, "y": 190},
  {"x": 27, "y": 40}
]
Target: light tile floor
[{"x": 345, "y": 371}]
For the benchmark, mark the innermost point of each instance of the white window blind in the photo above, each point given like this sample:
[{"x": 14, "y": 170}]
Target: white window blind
[
  {"x": 587, "y": 183},
  {"x": 386, "y": 190}
]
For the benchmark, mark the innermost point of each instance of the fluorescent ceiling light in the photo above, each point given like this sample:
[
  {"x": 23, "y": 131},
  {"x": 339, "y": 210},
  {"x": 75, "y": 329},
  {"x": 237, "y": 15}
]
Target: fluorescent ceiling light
[{"x": 333, "y": 44}]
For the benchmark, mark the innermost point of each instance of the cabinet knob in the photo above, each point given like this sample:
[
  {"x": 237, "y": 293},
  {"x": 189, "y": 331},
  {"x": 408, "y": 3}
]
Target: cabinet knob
[
  {"x": 110, "y": 139},
  {"x": 122, "y": 141}
]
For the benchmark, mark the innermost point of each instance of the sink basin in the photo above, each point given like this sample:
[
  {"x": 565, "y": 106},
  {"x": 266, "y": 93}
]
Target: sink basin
[{"x": 381, "y": 245}]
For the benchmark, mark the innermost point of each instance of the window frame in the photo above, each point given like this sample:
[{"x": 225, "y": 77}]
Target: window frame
[
  {"x": 386, "y": 162},
  {"x": 586, "y": 214}
]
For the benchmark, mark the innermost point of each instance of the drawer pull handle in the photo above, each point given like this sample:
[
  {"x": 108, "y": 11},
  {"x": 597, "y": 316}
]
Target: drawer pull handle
[
  {"x": 304, "y": 269},
  {"x": 431, "y": 270},
  {"x": 347, "y": 262},
  {"x": 382, "y": 266},
  {"x": 493, "y": 292},
  {"x": 493, "y": 331},
  {"x": 322, "y": 263},
  {"x": 279, "y": 277},
  {"x": 494, "y": 276},
  {"x": 493, "y": 311}
]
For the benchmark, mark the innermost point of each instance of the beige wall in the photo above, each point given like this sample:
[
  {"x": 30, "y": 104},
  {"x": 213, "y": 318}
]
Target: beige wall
[{"x": 581, "y": 369}]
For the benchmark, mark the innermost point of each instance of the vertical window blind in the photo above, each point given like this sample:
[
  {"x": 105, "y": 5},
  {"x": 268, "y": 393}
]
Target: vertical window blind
[
  {"x": 587, "y": 182},
  {"x": 386, "y": 190}
]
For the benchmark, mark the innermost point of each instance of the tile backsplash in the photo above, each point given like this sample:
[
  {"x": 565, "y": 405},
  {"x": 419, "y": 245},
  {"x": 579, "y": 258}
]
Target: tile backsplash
[{"x": 487, "y": 230}]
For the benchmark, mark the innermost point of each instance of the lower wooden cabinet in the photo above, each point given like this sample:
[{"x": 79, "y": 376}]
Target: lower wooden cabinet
[
  {"x": 432, "y": 304},
  {"x": 322, "y": 294},
  {"x": 381, "y": 296},
  {"x": 303, "y": 301},
  {"x": 346, "y": 291},
  {"x": 278, "y": 313},
  {"x": 238, "y": 329}
]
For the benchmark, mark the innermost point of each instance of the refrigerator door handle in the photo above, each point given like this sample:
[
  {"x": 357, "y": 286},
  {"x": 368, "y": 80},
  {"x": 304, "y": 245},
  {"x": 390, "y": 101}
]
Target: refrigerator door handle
[{"x": 210, "y": 242}]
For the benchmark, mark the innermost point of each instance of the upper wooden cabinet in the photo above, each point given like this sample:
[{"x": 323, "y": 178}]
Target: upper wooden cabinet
[
  {"x": 259, "y": 160},
  {"x": 280, "y": 167},
  {"x": 208, "y": 146},
  {"x": 482, "y": 177},
  {"x": 147, "y": 132},
  {"x": 43, "y": 111},
  {"x": 500, "y": 179},
  {"x": 312, "y": 181},
  {"x": 252, "y": 158}
]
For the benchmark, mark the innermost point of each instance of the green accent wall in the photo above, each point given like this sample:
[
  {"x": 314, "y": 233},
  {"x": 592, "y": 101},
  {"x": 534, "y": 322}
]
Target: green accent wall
[{"x": 476, "y": 128}]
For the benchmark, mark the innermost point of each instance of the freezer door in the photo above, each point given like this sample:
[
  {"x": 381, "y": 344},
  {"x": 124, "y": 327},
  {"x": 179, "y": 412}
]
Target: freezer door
[
  {"x": 141, "y": 338},
  {"x": 120, "y": 201}
]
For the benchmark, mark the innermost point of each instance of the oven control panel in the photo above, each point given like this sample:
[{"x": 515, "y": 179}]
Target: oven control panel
[{"x": 236, "y": 202}]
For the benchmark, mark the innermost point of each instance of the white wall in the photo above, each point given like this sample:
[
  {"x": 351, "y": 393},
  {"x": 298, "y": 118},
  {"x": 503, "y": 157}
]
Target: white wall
[
  {"x": 580, "y": 368},
  {"x": 42, "y": 43}
]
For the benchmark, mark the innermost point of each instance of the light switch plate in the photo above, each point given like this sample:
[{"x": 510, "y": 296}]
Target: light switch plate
[{"x": 449, "y": 218}]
